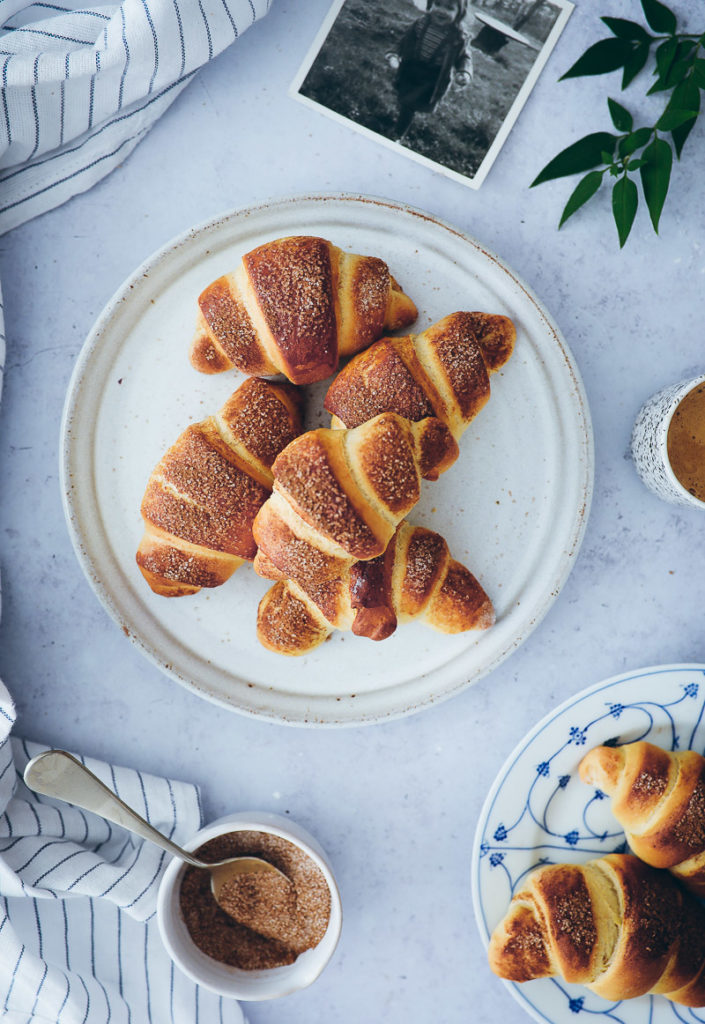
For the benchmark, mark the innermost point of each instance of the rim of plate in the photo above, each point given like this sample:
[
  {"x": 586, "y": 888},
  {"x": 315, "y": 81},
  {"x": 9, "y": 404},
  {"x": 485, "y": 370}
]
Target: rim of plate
[
  {"x": 501, "y": 777},
  {"x": 294, "y": 708}
]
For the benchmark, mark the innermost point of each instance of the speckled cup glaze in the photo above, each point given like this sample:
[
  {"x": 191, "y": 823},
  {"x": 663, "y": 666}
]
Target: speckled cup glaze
[{"x": 649, "y": 449}]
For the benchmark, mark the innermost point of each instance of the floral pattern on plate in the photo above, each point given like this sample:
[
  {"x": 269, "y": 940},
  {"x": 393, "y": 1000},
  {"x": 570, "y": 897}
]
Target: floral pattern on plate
[{"x": 539, "y": 812}]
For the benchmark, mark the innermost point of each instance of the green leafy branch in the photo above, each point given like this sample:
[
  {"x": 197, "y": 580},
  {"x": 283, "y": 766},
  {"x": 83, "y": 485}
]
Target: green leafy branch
[{"x": 679, "y": 69}]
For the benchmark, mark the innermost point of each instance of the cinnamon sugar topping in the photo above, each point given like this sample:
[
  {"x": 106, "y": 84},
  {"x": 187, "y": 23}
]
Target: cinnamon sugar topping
[
  {"x": 275, "y": 925},
  {"x": 690, "y": 830}
]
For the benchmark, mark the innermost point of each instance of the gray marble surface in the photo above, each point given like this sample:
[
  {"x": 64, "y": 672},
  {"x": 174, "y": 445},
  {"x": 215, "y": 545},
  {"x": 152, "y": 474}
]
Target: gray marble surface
[{"x": 395, "y": 805}]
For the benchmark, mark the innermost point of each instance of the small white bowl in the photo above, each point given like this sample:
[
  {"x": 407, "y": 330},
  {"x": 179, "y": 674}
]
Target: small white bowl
[{"x": 231, "y": 981}]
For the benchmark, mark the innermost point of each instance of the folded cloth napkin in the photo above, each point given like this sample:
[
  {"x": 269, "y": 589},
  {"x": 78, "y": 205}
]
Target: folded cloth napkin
[
  {"x": 79, "y": 942},
  {"x": 81, "y": 85}
]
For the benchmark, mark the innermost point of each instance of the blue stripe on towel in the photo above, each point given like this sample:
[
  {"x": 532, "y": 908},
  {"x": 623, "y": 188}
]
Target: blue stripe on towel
[
  {"x": 156, "y": 46},
  {"x": 149, "y": 885},
  {"x": 8, "y": 132},
  {"x": 48, "y": 34},
  {"x": 70, "y": 10},
  {"x": 146, "y": 976},
  {"x": 75, "y": 174},
  {"x": 13, "y": 979},
  {"x": 144, "y": 797},
  {"x": 181, "y": 37},
  {"x": 88, "y": 1000},
  {"x": 66, "y": 999},
  {"x": 127, "y": 58},
  {"x": 230, "y": 18},
  {"x": 76, "y": 853},
  {"x": 66, "y": 934},
  {"x": 208, "y": 30},
  {"x": 23, "y": 867}
]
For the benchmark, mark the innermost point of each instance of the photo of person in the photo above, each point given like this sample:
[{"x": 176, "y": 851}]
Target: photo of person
[
  {"x": 443, "y": 79},
  {"x": 433, "y": 51}
]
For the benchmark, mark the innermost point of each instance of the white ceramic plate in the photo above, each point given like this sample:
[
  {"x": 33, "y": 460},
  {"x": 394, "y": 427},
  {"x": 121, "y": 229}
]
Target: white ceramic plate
[
  {"x": 513, "y": 508},
  {"x": 538, "y": 811}
]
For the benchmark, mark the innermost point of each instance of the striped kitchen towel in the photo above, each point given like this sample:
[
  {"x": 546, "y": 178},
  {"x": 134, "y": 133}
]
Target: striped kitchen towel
[
  {"x": 81, "y": 85},
  {"x": 79, "y": 942}
]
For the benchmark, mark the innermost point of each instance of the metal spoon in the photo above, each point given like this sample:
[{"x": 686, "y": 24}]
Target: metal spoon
[{"x": 57, "y": 774}]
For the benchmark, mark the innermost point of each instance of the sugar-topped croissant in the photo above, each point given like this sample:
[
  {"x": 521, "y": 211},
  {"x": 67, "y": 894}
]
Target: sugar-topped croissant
[
  {"x": 203, "y": 496},
  {"x": 339, "y": 495},
  {"x": 415, "y": 578},
  {"x": 294, "y": 306},
  {"x": 659, "y": 799},
  {"x": 616, "y": 925},
  {"x": 444, "y": 372}
]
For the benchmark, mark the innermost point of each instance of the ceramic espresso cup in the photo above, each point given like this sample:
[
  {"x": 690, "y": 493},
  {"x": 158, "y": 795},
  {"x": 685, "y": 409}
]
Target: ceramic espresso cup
[{"x": 650, "y": 444}]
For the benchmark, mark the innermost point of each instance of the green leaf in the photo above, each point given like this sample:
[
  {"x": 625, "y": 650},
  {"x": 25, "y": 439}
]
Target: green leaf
[
  {"x": 685, "y": 96},
  {"x": 636, "y": 164},
  {"x": 665, "y": 55},
  {"x": 671, "y": 67},
  {"x": 586, "y": 189},
  {"x": 699, "y": 73},
  {"x": 635, "y": 64},
  {"x": 634, "y": 141},
  {"x": 655, "y": 177},
  {"x": 580, "y": 156},
  {"x": 671, "y": 119},
  {"x": 625, "y": 199},
  {"x": 621, "y": 118},
  {"x": 659, "y": 17},
  {"x": 677, "y": 72},
  {"x": 680, "y": 134},
  {"x": 626, "y": 29},
  {"x": 607, "y": 55},
  {"x": 658, "y": 86},
  {"x": 685, "y": 49}
]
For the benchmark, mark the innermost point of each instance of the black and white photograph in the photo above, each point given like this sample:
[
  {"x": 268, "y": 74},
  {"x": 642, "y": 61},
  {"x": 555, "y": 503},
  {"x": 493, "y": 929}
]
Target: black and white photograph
[{"x": 443, "y": 79}]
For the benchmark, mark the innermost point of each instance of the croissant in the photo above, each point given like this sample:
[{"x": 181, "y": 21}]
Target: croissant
[
  {"x": 444, "y": 372},
  {"x": 617, "y": 925},
  {"x": 659, "y": 799},
  {"x": 203, "y": 496},
  {"x": 415, "y": 578},
  {"x": 339, "y": 495},
  {"x": 294, "y": 306}
]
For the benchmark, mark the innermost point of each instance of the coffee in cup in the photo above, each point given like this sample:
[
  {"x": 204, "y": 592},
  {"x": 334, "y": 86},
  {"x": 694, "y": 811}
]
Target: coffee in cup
[{"x": 685, "y": 442}]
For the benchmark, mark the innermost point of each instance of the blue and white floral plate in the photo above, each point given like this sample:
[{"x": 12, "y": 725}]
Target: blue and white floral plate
[{"x": 539, "y": 812}]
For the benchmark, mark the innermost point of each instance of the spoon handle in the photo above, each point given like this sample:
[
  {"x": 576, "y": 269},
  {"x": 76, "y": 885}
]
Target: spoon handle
[{"x": 57, "y": 774}]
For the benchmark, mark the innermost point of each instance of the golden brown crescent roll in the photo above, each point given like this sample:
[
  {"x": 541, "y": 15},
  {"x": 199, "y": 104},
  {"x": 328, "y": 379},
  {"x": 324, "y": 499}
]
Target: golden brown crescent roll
[
  {"x": 444, "y": 372},
  {"x": 415, "y": 578},
  {"x": 616, "y": 925},
  {"x": 203, "y": 496},
  {"x": 659, "y": 799},
  {"x": 339, "y": 495},
  {"x": 295, "y": 306}
]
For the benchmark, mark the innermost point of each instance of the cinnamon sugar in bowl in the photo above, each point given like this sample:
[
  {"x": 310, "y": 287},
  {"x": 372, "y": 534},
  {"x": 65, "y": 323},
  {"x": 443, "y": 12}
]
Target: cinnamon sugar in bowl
[{"x": 240, "y": 962}]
